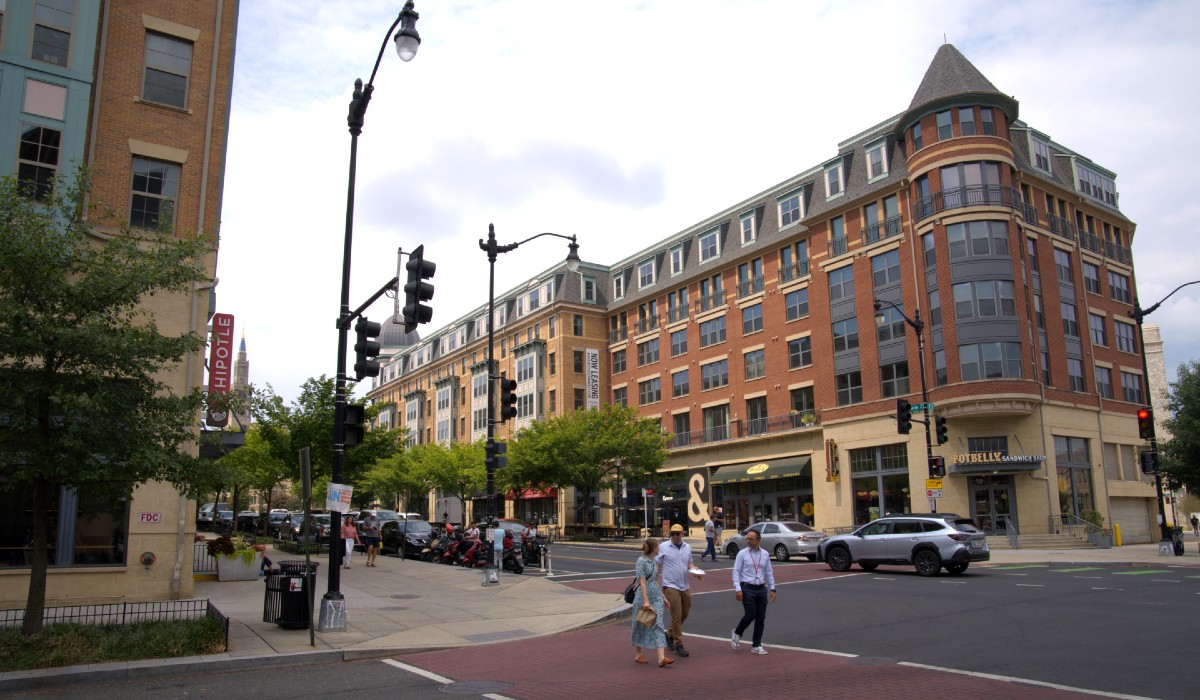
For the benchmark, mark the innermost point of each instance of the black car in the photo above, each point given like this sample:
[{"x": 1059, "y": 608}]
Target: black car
[
  {"x": 405, "y": 537},
  {"x": 224, "y": 522},
  {"x": 278, "y": 524}
]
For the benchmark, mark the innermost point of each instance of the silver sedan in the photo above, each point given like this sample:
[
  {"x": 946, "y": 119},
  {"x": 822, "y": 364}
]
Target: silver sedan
[{"x": 784, "y": 540}]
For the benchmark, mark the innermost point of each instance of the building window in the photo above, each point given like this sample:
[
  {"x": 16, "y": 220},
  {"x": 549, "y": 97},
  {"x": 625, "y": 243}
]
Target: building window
[
  {"x": 589, "y": 295},
  {"x": 1032, "y": 254},
  {"x": 939, "y": 367},
  {"x": 803, "y": 401},
  {"x": 845, "y": 335},
  {"x": 1096, "y": 186},
  {"x": 849, "y": 388},
  {"x": 52, "y": 31},
  {"x": 892, "y": 327},
  {"x": 1073, "y": 463},
  {"x": 750, "y": 277},
  {"x": 885, "y": 268},
  {"x": 977, "y": 238},
  {"x": 525, "y": 406},
  {"x": 1041, "y": 155},
  {"x": 650, "y": 391},
  {"x": 989, "y": 124},
  {"x": 935, "y": 308},
  {"x": 619, "y": 285},
  {"x": 1070, "y": 320},
  {"x": 984, "y": 299},
  {"x": 1104, "y": 385},
  {"x": 837, "y": 236},
  {"x": 678, "y": 342},
  {"x": 579, "y": 399},
  {"x": 1096, "y": 325},
  {"x": 833, "y": 180},
  {"x": 577, "y": 324},
  {"x": 710, "y": 246},
  {"x": 525, "y": 369},
  {"x": 577, "y": 361},
  {"x": 1091, "y": 278},
  {"x": 793, "y": 261},
  {"x": 928, "y": 244},
  {"x": 646, "y": 274},
  {"x": 841, "y": 283},
  {"x": 756, "y": 364},
  {"x": 790, "y": 209},
  {"x": 989, "y": 361},
  {"x": 714, "y": 375},
  {"x": 168, "y": 65},
  {"x": 748, "y": 232},
  {"x": 796, "y": 304},
  {"x": 876, "y": 161},
  {"x": 1075, "y": 374},
  {"x": 752, "y": 319},
  {"x": 712, "y": 332},
  {"x": 676, "y": 256},
  {"x": 679, "y": 384},
  {"x": 1045, "y": 363},
  {"x": 917, "y": 144},
  {"x": 945, "y": 131},
  {"x": 716, "y": 423},
  {"x": 620, "y": 396},
  {"x": 618, "y": 362},
  {"x": 1038, "y": 313},
  {"x": 683, "y": 428},
  {"x": 647, "y": 352},
  {"x": 1131, "y": 387},
  {"x": 1126, "y": 341},
  {"x": 1062, "y": 263},
  {"x": 966, "y": 121},
  {"x": 37, "y": 161},
  {"x": 155, "y": 187},
  {"x": 894, "y": 379},
  {"x": 677, "y": 305},
  {"x": 756, "y": 415},
  {"x": 880, "y": 482},
  {"x": 1118, "y": 287},
  {"x": 711, "y": 295},
  {"x": 799, "y": 352}
]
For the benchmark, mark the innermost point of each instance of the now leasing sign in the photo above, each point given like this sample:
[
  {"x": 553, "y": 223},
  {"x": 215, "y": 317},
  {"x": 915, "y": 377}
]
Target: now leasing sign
[{"x": 220, "y": 369}]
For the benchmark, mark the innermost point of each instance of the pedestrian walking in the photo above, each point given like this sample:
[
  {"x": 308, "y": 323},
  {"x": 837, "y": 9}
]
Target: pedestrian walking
[
  {"x": 350, "y": 537},
  {"x": 1195, "y": 525},
  {"x": 674, "y": 560},
  {"x": 710, "y": 534},
  {"x": 648, "y": 596},
  {"x": 754, "y": 585},
  {"x": 719, "y": 527},
  {"x": 370, "y": 536}
]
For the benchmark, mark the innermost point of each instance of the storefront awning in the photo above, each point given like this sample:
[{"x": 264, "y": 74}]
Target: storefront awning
[
  {"x": 760, "y": 471},
  {"x": 1002, "y": 467}
]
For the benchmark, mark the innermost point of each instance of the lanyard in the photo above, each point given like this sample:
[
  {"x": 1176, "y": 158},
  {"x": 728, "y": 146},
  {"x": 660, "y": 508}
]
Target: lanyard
[{"x": 754, "y": 561}]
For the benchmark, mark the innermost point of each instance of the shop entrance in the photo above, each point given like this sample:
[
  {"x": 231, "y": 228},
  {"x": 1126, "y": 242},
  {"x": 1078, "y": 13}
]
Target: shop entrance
[{"x": 992, "y": 503}]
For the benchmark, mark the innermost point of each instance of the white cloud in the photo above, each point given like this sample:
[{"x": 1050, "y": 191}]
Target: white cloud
[{"x": 627, "y": 121}]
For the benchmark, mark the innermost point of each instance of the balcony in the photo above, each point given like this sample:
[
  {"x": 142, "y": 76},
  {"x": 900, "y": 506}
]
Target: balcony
[
  {"x": 877, "y": 232},
  {"x": 712, "y": 301},
  {"x": 970, "y": 196},
  {"x": 677, "y": 313},
  {"x": 1061, "y": 227},
  {"x": 794, "y": 420},
  {"x": 616, "y": 335},
  {"x": 751, "y": 286},
  {"x": 645, "y": 325},
  {"x": 838, "y": 246},
  {"x": 1030, "y": 213},
  {"x": 793, "y": 272}
]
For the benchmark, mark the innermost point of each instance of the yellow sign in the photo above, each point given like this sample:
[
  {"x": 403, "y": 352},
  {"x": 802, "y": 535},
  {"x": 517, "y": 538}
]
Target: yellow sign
[
  {"x": 807, "y": 510},
  {"x": 933, "y": 483},
  {"x": 757, "y": 469}
]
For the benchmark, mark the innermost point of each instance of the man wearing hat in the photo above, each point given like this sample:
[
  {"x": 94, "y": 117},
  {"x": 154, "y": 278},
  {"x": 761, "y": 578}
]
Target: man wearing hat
[{"x": 674, "y": 559}]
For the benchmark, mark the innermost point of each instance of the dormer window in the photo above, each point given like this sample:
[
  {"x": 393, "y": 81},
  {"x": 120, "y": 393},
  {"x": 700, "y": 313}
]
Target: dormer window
[
  {"x": 676, "y": 256},
  {"x": 877, "y": 165},
  {"x": 588, "y": 284},
  {"x": 646, "y": 273},
  {"x": 619, "y": 285},
  {"x": 710, "y": 246},
  {"x": 748, "y": 231},
  {"x": 1041, "y": 155},
  {"x": 791, "y": 208},
  {"x": 835, "y": 185}
]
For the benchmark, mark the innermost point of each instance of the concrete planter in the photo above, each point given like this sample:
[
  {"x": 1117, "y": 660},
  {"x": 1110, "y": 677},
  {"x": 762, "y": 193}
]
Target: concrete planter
[
  {"x": 1101, "y": 539},
  {"x": 235, "y": 568}
]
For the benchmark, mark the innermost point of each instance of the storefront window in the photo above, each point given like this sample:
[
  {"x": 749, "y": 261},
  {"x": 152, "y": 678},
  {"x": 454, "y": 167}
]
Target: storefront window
[
  {"x": 880, "y": 482},
  {"x": 85, "y": 530},
  {"x": 1074, "y": 475}
]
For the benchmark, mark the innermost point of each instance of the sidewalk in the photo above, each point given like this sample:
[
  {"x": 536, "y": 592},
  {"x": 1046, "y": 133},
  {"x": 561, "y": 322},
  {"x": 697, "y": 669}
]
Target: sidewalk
[{"x": 401, "y": 607}]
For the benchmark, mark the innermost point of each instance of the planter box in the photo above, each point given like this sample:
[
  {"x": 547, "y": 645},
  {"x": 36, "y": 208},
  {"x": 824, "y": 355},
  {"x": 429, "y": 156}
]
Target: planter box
[{"x": 235, "y": 569}]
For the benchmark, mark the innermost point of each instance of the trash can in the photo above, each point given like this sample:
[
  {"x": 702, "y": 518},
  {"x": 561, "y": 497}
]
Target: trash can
[
  {"x": 1177, "y": 540},
  {"x": 289, "y": 594}
]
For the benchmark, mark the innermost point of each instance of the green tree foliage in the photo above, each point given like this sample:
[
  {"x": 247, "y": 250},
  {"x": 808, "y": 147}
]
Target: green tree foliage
[
  {"x": 456, "y": 469},
  {"x": 255, "y": 465},
  {"x": 581, "y": 449},
  {"x": 82, "y": 394},
  {"x": 1179, "y": 457}
]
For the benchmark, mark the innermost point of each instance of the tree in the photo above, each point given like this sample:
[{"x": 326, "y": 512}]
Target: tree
[
  {"x": 456, "y": 469},
  {"x": 255, "y": 465},
  {"x": 581, "y": 449},
  {"x": 1179, "y": 457},
  {"x": 83, "y": 401}
]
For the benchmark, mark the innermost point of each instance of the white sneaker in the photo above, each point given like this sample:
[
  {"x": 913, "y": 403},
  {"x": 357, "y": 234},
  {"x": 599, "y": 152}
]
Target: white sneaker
[
  {"x": 735, "y": 641},
  {"x": 757, "y": 650}
]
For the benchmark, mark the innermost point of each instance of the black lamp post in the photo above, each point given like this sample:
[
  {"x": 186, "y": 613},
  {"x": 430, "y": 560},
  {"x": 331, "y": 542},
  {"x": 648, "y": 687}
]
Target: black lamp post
[
  {"x": 1137, "y": 315},
  {"x": 919, "y": 326},
  {"x": 333, "y": 610},
  {"x": 492, "y": 248}
]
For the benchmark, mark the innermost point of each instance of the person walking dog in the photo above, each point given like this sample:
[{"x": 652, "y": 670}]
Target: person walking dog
[{"x": 754, "y": 585}]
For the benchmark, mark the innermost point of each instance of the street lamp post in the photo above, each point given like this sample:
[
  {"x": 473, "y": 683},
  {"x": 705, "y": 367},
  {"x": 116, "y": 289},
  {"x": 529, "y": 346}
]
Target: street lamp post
[
  {"x": 1138, "y": 314},
  {"x": 492, "y": 248},
  {"x": 333, "y": 608},
  {"x": 919, "y": 326}
]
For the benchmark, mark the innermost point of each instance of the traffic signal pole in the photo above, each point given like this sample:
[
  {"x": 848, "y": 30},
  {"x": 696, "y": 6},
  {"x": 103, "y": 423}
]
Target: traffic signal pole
[{"x": 919, "y": 326}]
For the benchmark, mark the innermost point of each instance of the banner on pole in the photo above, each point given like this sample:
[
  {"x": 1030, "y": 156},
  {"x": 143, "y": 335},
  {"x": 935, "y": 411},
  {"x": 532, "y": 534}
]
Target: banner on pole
[{"x": 337, "y": 498}]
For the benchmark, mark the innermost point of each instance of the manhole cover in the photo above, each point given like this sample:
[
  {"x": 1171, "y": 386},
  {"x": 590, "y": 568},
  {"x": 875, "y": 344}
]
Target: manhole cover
[
  {"x": 475, "y": 687},
  {"x": 404, "y": 596}
]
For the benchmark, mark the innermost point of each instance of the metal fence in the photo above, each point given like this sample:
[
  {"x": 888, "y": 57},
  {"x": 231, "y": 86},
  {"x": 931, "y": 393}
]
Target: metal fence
[
  {"x": 202, "y": 563},
  {"x": 122, "y": 614}
]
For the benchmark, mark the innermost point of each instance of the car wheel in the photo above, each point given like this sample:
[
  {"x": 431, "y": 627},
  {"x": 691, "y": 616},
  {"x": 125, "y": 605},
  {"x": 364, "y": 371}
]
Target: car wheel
[
  {"x": 731, "y": 550},
  {"x": 927, "y": 562},
  {"x": 866, "y": 566},
  {"x": 811, "y": 557},
  {"x": 781, "y": 552},
  {"x": 838, "y": 558},
  {"x": 957, "y": 567}
]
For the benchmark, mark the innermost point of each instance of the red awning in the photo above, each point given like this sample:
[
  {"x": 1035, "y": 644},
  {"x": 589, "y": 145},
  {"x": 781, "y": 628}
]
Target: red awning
[{"x": 527, "y": 494}]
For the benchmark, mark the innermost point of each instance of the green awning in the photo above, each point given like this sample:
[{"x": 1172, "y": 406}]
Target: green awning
[{"x": 760, "y": 471}]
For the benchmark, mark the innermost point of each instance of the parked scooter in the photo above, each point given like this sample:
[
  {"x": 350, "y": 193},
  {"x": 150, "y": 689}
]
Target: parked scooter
[
  {"x": 533, "y": 551},
  {"x": 476, "y": 553},
  {"x": 512, "y": 557}
]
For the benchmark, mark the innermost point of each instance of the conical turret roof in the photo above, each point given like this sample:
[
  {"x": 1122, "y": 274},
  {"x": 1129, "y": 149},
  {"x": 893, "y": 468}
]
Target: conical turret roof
[{"x": 953, "y": 80}]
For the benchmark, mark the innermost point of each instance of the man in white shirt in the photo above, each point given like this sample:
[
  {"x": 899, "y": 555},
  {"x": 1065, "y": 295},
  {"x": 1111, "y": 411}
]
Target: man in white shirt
[
  {"x": 674, "y": 559},
  {"x": 710, "y": 534},
  {"x": 752, "y": 577}
]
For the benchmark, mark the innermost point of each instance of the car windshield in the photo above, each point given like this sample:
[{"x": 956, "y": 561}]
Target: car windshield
[
  {"x": 387, "y": 515},
  {"x": 415, "y": 527},
  {"x": 797, "y": 527}
]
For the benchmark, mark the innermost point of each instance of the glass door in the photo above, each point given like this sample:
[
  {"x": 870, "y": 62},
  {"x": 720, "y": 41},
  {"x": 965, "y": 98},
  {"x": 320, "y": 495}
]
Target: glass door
[{"x": 992, "y": 503}]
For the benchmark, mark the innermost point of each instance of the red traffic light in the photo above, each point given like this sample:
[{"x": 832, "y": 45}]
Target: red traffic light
[
  {"x": 1143, "y": 414},
  {"x": 1145, "y": 418}
]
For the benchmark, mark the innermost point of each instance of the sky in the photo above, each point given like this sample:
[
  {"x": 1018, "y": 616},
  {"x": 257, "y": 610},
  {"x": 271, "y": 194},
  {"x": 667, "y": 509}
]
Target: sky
[{"x": 624, "y": 122}]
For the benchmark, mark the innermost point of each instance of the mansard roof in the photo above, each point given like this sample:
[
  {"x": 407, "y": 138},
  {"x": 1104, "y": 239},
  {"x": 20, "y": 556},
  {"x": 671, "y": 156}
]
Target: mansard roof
[{"x": 952, "y": 80}]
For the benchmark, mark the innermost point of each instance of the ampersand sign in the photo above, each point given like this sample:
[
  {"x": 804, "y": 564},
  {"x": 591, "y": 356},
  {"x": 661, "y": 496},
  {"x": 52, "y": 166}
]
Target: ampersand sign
[{"x": 697, "y": 506}]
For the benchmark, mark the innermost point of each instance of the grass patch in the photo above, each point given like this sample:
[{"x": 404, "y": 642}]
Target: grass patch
[{"x": 68, "y": 645}]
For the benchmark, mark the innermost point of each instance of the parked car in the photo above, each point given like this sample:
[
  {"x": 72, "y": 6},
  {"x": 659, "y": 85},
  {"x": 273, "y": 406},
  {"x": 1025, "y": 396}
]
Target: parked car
[
  {"x": 928, "y": 541},
  {"x": 204, "y": 514},
  {"x": 405, "y": 537},
  {"x": 247, "y": 521},
  {"x": 319, "y": 527},
  {"x": 223, "y": 522},
  {"x": 783, "y": 540},
  {"x": 278, "y": 522},
  {"x": 513, "y": 526}
]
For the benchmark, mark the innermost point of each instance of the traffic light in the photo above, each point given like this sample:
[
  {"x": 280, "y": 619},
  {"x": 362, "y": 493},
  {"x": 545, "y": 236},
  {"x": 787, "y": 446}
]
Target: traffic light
[
  {"x": 508, "y": 398},
  {"x": 1145, "y": 423},
  {"x": 1149, "y": 461},
  {"x": 355, "y": 418},
  {"x": 942, "y": 437},
  {"x": 366, "y": 348},
  {"x": 495, "y": 452},
  {"x": 417, "y": 290},
  {"x": 937, "y": 467},
  {"x": 903, "y": 416}
]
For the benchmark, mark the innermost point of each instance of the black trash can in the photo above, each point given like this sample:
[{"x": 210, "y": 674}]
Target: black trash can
[
  {"x": 289, "y": 594},
  {"x": 1177, "y": 540}
]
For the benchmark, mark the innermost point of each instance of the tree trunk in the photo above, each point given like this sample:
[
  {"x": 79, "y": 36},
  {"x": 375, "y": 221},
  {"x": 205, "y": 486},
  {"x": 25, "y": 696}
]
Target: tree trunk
[{"x": 35, "y": 602}]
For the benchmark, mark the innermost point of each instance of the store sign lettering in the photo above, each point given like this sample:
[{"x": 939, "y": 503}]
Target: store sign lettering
[{"x": 997, "y": 457}]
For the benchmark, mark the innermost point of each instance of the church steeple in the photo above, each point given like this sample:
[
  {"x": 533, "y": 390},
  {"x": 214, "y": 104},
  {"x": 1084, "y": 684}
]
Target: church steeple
[{"x": 241, "y": 383}]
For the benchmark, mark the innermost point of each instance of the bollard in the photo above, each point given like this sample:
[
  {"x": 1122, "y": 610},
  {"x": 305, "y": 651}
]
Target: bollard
[
  {"x": 544, "y": 563},
  {"x": 1117, "y": 533},
  {"x": 549, "y": 567}
]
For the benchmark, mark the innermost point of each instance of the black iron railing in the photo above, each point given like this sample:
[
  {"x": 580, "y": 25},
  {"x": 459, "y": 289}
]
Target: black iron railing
[
  {"x": 747, "y": 428},
  {"x": 677, "y": 313},
  {"x": 970, "y": 196},
  {"x": 877, "y": 232},
  {"x": 794, "y": 271},
  {"x": 645, "y": 325},
  {"x": 838, "y": 246},
  {"x": 616, "y": 335},
  {"x": 1061, "y": 227},
  {"x": 750, "y": 286},
  {"x": 711, "y": 301}
]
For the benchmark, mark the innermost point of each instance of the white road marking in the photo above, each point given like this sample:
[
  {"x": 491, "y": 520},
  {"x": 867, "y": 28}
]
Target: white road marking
[
  {"x": 1014, "y": 679},
  {"x": 1031, "y": 585},
  {"x": 1091, "y": 577},
  {"x": 435, "y": 677},
  {"x": 1165, "y": 580},
  {"x": 1094, "y": 588},
  {"x": 781, "y": 646}
]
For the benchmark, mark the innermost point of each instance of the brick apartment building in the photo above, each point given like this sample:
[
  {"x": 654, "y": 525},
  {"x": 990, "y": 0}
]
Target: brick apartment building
[
  {"x": 753, "y": 336},
  {"x": 139, "y": 91}
]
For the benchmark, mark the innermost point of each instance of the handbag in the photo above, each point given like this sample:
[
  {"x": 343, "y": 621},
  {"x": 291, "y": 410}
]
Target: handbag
[
  {"x": 631, "y": 590},
  {"x": 646, "y": 617}
]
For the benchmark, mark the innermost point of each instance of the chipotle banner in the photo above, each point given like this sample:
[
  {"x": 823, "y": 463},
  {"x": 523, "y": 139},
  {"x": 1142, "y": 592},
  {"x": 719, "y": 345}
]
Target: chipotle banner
[{"x": 220, "y": 370}]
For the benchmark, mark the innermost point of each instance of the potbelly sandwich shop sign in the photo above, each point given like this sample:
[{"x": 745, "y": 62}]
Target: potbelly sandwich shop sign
[{"x": 220, "y": 370}]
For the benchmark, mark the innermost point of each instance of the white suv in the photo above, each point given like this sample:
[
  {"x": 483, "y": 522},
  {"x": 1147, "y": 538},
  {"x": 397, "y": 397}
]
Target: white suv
[{"x": 928, "y": 541}]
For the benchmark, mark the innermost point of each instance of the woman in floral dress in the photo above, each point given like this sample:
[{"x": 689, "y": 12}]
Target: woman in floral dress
[{"x": 649, "y": 595}]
